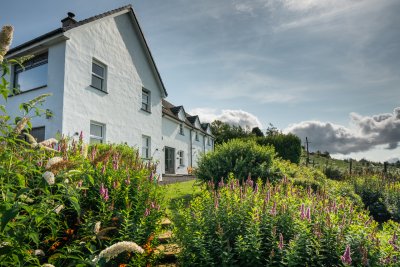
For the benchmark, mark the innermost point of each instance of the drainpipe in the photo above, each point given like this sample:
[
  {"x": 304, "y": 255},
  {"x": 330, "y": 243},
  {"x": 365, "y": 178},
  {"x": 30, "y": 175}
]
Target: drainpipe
[
  {"x": 191, "y": 149},
  {"x": 204, "y": 143}
]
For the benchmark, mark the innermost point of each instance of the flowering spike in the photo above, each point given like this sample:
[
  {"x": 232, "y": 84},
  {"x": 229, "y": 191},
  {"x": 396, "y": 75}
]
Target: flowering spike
[
  {"x": 273, "y": 210},
  {"x": 221, "y": 183},
  {"x": 280, "y": 246},
  {"x": 346, "y": 258}
]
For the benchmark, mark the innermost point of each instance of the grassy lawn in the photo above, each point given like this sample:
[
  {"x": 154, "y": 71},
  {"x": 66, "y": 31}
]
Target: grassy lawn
[{"x": 181, "y": 191}]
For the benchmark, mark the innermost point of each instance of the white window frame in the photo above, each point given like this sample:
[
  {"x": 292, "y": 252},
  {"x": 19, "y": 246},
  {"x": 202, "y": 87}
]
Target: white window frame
[
  {"x": 181, "y": 129},
  {"x": 181, "y": 156},
  {"x": 147, "y": 107},
  {"x": 37, "y": 61},
  {"x": 103, "y": 131},
  {"x": 146, "y": 147},
  {"x": 103, "y": 79}
]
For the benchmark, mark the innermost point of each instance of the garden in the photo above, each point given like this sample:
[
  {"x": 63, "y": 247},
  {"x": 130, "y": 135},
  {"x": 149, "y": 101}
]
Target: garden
[{"x": 65, "y": 203}]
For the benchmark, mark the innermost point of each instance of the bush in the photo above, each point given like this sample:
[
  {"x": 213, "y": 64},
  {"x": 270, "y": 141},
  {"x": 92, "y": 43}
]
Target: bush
[
  {"x": 333, "y": 173},
  {"x": 64, "y": 210},
  {"x": 240, "y": 158},
  {"x": 280, "y": 225},
  {"x": 287, "y": 146},
  {"x": 380, "y": 196}
]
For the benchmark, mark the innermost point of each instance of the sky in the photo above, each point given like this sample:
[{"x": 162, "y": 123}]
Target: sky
[{"x": 325, "y": 69}]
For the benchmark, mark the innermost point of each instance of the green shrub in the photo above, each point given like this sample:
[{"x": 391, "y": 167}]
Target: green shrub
[
  {"x": 240, "y": 158},
  {"x": 333, "y": 173},
  {"x": 287, "y": 146},
  {"x": 280, "y": 225},
  {"x": 380, "y": 196}
]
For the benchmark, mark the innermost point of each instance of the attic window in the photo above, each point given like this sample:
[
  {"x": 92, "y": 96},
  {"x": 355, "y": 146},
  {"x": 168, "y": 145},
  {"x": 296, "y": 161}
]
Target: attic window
[
  {"x": 32, "y": 75},
  {"x": 98, "y": 76}
]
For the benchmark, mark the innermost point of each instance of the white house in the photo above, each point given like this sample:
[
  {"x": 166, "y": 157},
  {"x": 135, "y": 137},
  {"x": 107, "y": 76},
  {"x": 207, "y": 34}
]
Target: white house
[{"x": 104, "y": 82}]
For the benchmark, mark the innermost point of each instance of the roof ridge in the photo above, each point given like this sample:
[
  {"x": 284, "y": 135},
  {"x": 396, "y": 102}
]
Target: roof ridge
[{"x": 96, "y": 17}]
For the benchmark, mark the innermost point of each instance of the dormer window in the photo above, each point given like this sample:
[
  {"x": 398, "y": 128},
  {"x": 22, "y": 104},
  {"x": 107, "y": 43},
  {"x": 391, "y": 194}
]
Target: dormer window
[
  {"x": 33, "y": 74},
  {"x": 98, "y": 76},
  {"x": 181, "y": 132}
]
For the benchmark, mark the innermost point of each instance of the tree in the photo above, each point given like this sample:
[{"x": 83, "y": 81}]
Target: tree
[
  {"x": 224, "y": 132},
  {"x": 272, "y": 130},
  {"x": 257, "y": 132}
]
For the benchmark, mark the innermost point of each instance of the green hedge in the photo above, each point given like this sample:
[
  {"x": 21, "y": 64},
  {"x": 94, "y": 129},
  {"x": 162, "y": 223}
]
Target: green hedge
[
  {"x": 240, "y": 158},
  {"x": 287, "y": 146}
]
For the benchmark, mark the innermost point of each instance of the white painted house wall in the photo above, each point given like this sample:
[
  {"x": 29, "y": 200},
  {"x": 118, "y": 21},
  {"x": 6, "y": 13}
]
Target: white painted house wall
[
  {"x": 55, "y": 86},
  {"x": 114, "y": 42},
  {"x": 172, "y": 138}
]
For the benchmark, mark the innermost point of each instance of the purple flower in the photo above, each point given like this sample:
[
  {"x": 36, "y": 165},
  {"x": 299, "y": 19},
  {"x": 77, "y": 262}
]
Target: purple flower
[
  {"x": 146, "y": 212},
  {"x": 221, "y": 183},
  {"x": 81, "y": 137},
  {"x": 273, "y": 210},
  {"x": 302, "y": 212},
  {"x": 268, "y": 197},
  {"x": 116, "y": 161},
  {"x": 115, "y": 184},
  {"x": 308, "y": 214},
  {"x": 216, "y": 204},
  {"x": 104, "y": 192},
  {"x": 103, "y": 170},
  {"x": 128, "y": 181},
  {"x": 280, "y": 246},
  {"x": 93, "y": 153},
  {"x": 256, "y": 189},
  {"x": 249, "y": 182},
  {"x": 80, "y": 182},
  {"x": 346, "y": 258}
]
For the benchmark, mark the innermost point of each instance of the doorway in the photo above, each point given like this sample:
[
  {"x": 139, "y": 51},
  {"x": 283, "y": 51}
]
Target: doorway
[{"x": 169, "y": 160}]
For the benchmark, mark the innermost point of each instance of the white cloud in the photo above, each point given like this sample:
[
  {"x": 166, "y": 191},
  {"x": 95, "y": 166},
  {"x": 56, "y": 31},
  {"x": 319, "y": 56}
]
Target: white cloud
[
  {"x": 232, "y": 117},
  {"x": 364, "y": 133}
]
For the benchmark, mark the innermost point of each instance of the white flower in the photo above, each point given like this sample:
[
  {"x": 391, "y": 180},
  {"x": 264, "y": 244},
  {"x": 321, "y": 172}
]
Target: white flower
[
  {"x": 53, "y": 161},
  {"x": 114, "y": 250},
  {"x": 97, "y": 228},
  {"x": 38, "y": 252},
  {"x": 4, "y": 244},
  {"x": 48, "y": 265},
  {"x": 49, "y": 142},
  {"x": 58, "y": 208},
  {"x": 49, "y": 177},
  {"x": 66, "y": 181}
]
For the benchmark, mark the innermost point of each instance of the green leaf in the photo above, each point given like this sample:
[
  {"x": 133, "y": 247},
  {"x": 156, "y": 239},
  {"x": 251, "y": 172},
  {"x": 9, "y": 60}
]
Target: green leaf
[
  {"x": 21, "y": 180},
  {"x": 90, "y": 178},
  {"x": 75, "y": 203},
  {"x": 8, "y": 216},
  {"x": 34, "y": 237}
]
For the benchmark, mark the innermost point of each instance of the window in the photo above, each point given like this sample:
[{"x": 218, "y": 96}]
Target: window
[
  {"x": 209, "y": 141},
  {"x": 96, "y": 133},
  {"x": 146, "y": 147},
  {"x": 180, "y": 158},
  {"x": 33, "y": 75},
  {"x": 181, "y": 129},
  {"x": 98, "y": 76},
  {"x": 197, "y": 136},
  {"x": 146, "y": 103}
]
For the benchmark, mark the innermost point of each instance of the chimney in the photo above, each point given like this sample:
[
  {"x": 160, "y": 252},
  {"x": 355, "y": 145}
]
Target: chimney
[{"x": 68, "y": 21}]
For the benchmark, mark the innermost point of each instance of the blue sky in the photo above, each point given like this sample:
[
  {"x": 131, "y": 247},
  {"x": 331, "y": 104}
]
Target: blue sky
[{"x": 327, "y": 69}]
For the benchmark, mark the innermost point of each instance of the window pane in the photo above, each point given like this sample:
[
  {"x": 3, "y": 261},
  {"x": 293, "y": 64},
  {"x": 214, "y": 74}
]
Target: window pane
[
  {"x": 97, "y": 69},
  {"x": 95, "y": 141},
  {"x": 38, "y": 133},
  {"x": 96, "y": 130},
  {"x": 97, "y": 82},
  {"x": 145, "y": 106},
  {"x": 31, "y": 78}
]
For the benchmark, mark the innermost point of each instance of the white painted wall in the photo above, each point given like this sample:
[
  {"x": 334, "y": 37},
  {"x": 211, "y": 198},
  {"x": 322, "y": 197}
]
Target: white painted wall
[
  {"x": 114, "y": 42},
  {"x": 172, "y": 138},
  {"x": 55, "y": 85}
]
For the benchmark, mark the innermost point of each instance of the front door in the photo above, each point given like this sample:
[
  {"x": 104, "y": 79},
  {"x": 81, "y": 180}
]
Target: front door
[{"x": 169, "y": 160}]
